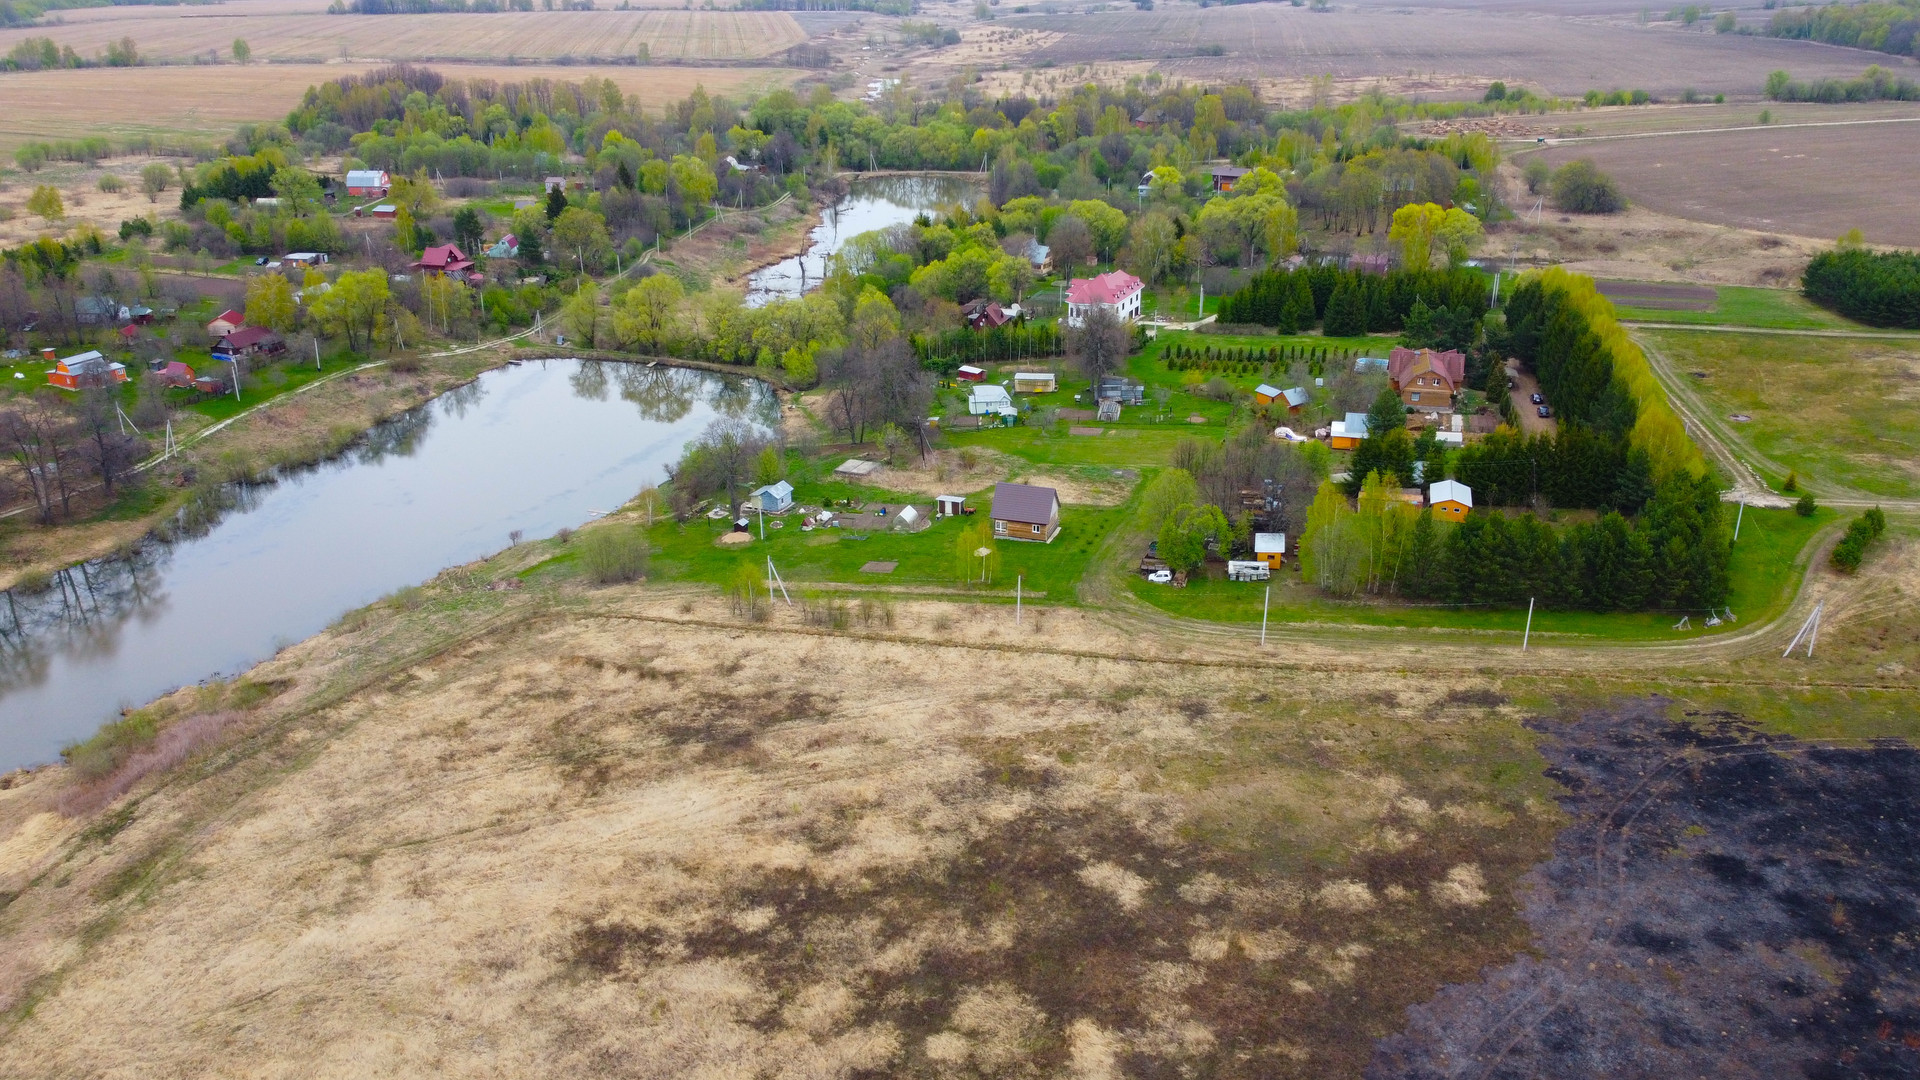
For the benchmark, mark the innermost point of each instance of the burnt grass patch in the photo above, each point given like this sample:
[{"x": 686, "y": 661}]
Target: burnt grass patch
[{"x": 1726, "y": 903}]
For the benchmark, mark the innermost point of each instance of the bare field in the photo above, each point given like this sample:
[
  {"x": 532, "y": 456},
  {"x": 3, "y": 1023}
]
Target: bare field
[
  {"x": 1555, "y": 55},
  {"x": 1809, "y": 181},
  {"x": 208, "y": 102},
  {"x": 538, "y": 35},
  {"x": 639, "y": 848}
]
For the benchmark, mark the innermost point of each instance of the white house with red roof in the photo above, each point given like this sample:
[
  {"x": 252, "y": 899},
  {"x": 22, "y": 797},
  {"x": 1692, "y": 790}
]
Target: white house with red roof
[{"x": 1116, "y": 291}]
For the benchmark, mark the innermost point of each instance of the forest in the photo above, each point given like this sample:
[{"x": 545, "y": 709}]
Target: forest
[{"x": 1876, "y": 288}]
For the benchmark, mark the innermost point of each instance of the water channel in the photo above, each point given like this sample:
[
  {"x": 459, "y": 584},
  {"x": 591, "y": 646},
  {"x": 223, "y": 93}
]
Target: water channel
[
  {"x": 528, "y": 449},
  {"x": 874, "y": 203}
]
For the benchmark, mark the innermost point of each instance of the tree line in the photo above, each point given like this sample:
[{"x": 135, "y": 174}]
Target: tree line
[
  {"x": 1297, "y": 300},
  {"x": 1876, "y": 288}
]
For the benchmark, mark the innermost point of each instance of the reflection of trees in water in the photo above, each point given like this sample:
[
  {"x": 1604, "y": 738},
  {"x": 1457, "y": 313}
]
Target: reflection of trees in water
[
  {"x": 81, "y": 612},
  {"x": 589, "y": 380},
  {"x": 663, "y": 394},
  {"x": 457, "y": 401},
  {"x": 399, "y": 436},
  {"x": 209, "y": 506},
  {"x": 917, "y": 192}
]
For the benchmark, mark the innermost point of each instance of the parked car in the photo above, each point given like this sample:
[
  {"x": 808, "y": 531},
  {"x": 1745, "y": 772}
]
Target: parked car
[
  {"x": 1537, "y": 399},
  {"x": 1161, "y": 577},
  {"x": 261, "y": 261},
  {"x": 1544, "y": 412}
]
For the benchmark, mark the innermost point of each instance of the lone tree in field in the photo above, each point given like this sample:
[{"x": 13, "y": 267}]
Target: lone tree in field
[
  {"x": 242, "y": 52},
  {"x": 1099, "y": 347},
  {"x": 154, "y": 180},
  {"x": 45, "y": 201},
  {"x": 1581, "y": 188}
]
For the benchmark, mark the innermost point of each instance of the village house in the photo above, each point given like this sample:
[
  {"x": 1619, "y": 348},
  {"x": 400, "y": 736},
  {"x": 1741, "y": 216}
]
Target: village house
[
  {"x": 1225, "y": 176},
  {"x": 988, "y": 399},
  {"x": 1116, "y": 291},
  {"x": 85, "y": 371},
  {"x": 1026, "y": 512},
  {"x": 984, "y": 314},
  {"x": 176, "y": 374},
  {"x": 369, "y": 182},
  {"x": 1426, "y": 378},
  {"x": 1149, "y": 118},
  {"x": 1450, "y": 499},
  {"x": 774, "y": 498},
  {"x": 303, "y": 259},
  {"x": 1266, "y": 394},
  {"x": 1347, "y": 434},
  {"x": 1034, "y": 382},
  {"x": 1040, "y": 257},
  {"x": 225, "y": 323},
  {"x": 507, "y": 247},
  {"x": 1295, "y": 397},
  {"x": 444, "y": 259},
  {"x": 248, "y": 341}
]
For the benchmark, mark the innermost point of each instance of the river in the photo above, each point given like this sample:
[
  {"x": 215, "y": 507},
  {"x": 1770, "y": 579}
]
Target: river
[
  {"x": 528, "y": 449},
  {"x": 873, "y": 203}
]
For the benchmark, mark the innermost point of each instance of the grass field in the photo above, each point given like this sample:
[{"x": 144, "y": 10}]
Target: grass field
[
  {"x": 538, "y": 35},
  {"x": 1470, "y": 49},
  {"x": 1738, "y": 305},
  {"x": 1773, "y": 180},
  {"x": 207, "y": 103},
  {"x": 1843, "y": 412}
]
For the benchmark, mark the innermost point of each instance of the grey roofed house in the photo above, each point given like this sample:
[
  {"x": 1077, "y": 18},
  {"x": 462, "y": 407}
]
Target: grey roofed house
[
  {"x": 90, "y": 310},
  {"x": 1025, "y": 512},
  {"x": 1121, "y": 389},
  {"x": 1295, "y": 396},
  {"x": 774, "y": 498}
]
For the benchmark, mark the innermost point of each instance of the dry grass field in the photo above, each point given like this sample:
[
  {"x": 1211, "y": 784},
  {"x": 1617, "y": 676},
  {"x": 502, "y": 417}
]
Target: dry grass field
[
  {"x": 689, "y": 36},
  {"x": 208, "y": 102},
  {"x": 1809, "y": 181},
  {"x": 1554, "y": 55}
]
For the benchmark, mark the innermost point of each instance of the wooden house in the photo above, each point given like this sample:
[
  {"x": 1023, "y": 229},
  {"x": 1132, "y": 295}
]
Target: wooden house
[
  {"x": 1026, "y": 512},
  {"x": 1427, "y": 378},
  {"x": 249, "y": 341},
  {"x": 176, "y": 374},
  {"x": 1347, "y": 434},
  {"x": 443, "y": 259},
  {"x": 87, "y": 370},
  {"x": 1266, "y": 394},
  {"x": 1225, "y": 176},
  {"x": 1450, "y": 499},
  {"x": 983, "y": 314}
]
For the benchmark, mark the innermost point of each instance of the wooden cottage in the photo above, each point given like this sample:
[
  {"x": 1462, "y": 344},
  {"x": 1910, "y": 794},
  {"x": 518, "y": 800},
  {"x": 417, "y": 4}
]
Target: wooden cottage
[
  {"x": 87, "y": 370},
  {"x": 1347, "y": 434},
  {"x": 1026, "y": 512},
  {"x": 1270, "y": 548},
  {"x": 1450, "y": 499}
]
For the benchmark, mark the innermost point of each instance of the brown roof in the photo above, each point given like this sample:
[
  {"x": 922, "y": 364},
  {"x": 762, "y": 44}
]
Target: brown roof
[
  {"x": 1450, "y": 364},
  {"x": 248, "y": 337},
  {"x": 1024, "y": 503}
]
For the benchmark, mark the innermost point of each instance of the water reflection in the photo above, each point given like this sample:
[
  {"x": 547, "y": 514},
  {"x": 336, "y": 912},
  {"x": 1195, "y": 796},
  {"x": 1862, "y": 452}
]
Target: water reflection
[
  {"x": 248, "y": 566},
  {"x": 870, "y": 204}
]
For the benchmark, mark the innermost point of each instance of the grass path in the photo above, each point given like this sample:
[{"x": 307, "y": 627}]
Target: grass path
[{"x": 1722, "y": 328}]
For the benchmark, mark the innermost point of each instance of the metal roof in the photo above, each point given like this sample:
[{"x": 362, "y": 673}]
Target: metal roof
[
  {"x": 1024, "y": 503},
  {"x": 1269, "y": 543},
  {"x": 1450, "y": 491}
]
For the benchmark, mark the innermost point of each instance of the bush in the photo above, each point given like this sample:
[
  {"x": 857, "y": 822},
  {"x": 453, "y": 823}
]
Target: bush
[
  {"x": 111, "y": 184},
  {"x": 1792, "y": 482},
  {"x": 1581, "y": 188},
  {"x": 1852, "y": 548},
  {"x": 614, "y": 554},
  {"x": 1806, "y": 506}
]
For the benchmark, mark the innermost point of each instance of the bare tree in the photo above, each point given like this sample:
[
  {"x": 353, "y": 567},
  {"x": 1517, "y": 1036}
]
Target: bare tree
[
  {"x": 107, "y": 448},
  {"x": 876, "y": 383},
  {"x": 1100, "y": 345},
  {"x": 38, "y": 435},
  {"x": 721, "y": 459}
]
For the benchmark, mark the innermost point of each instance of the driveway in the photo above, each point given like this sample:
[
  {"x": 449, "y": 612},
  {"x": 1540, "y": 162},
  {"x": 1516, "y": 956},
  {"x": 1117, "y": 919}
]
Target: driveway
[{"x": 1524, "y": 387}]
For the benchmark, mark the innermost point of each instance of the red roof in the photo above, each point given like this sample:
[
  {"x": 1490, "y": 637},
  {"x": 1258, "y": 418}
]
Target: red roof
[
  {"x": 1450, "y": 364},
  {"x": 447, "y": 258},
  {"x": 228, "y": 316},
  {"x": 247, "y": 337},
  {"x": 1108, "y": 288}
]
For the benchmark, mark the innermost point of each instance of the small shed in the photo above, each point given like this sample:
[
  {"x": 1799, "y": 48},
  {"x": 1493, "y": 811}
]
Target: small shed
[
  {"x": 1270, "y": 549},
  {"x": 1109, "y": 411},
  {"x": 384, "y": 210},
  {"x": 176, "y": 374},
  {"x": 1026, "y": 512},
  {"x": 1295, "y": 397},
  {"x": 1450, "y": 499},
  {"x": 987, "y": 399},
  {"x": 1121, "y": 389},
  {"x": 949, "y": 505},
  {"x": 1034, "y": 382},
  {"x": 1266, "y": 394},
  {"x": 969, "y": 373},
  {"x": 856, "y": 469},
  {"x": 774, "y": 498},
  {"x": 1347, "y": 434}
]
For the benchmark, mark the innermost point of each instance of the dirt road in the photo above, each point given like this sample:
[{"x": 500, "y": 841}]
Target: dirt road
[{"x": 1524, "y": 386}]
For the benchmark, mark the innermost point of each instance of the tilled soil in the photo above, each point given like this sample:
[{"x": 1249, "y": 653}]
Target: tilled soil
[{"x": 1727, "y": 903}]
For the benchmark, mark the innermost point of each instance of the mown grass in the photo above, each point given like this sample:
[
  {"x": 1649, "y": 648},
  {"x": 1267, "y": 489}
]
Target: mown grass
[
  {"x": 1762, "y": 571},
  {"x": 1836, "y": 410},
  {"x": 1741, "y": 305}
]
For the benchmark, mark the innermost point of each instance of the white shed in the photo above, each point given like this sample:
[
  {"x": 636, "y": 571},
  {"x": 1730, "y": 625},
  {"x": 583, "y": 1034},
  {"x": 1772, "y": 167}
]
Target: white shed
[
  {"x": 948, "y": 505},
  {"x": 775, "y": 498}
]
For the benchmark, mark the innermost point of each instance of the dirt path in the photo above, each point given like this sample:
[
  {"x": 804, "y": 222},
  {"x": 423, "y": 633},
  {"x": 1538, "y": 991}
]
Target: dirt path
[
  {"x": 1524, "y": 386},
  {"x": 1716, "y": 131}
]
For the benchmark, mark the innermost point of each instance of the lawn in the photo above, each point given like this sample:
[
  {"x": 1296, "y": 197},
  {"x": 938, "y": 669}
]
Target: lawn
[
  {"x": 1762, "y": 570},
  {"x": 927, "y": 558},
  {"x": 1740, "y": 305},
  {"x": 1839, "y": 411}
]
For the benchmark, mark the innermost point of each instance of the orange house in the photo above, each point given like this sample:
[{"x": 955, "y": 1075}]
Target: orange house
[
  {"x": 89, "y": 369},
  {"x": 1450, "y": 499}
]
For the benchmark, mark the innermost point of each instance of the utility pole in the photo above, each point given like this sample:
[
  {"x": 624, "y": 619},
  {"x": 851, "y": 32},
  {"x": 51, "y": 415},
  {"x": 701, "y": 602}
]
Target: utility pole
[
  {"x": 1737, "y": 519},
  {"x": 1524, "y": 638},
  {"x": 1264, "y": 602}
]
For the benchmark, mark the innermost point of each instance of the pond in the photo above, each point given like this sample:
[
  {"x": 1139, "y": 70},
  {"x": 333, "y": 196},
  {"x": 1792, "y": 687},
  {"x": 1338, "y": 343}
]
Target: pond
[
  {"x": 528, "y": 449},
  {"x": 874, "y": 203}
]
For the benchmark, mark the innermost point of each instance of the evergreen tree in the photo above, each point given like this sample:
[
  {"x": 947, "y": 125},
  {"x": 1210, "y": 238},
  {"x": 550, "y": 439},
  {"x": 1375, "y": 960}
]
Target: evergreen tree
[
  {"x": 1387, "y": 413},
  {"x": 1346, "y": 310},
  {"x": 1420, "y": 330},
  {"x": 556, "y": 204},
  {"x": 1299, "y": 311}
]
